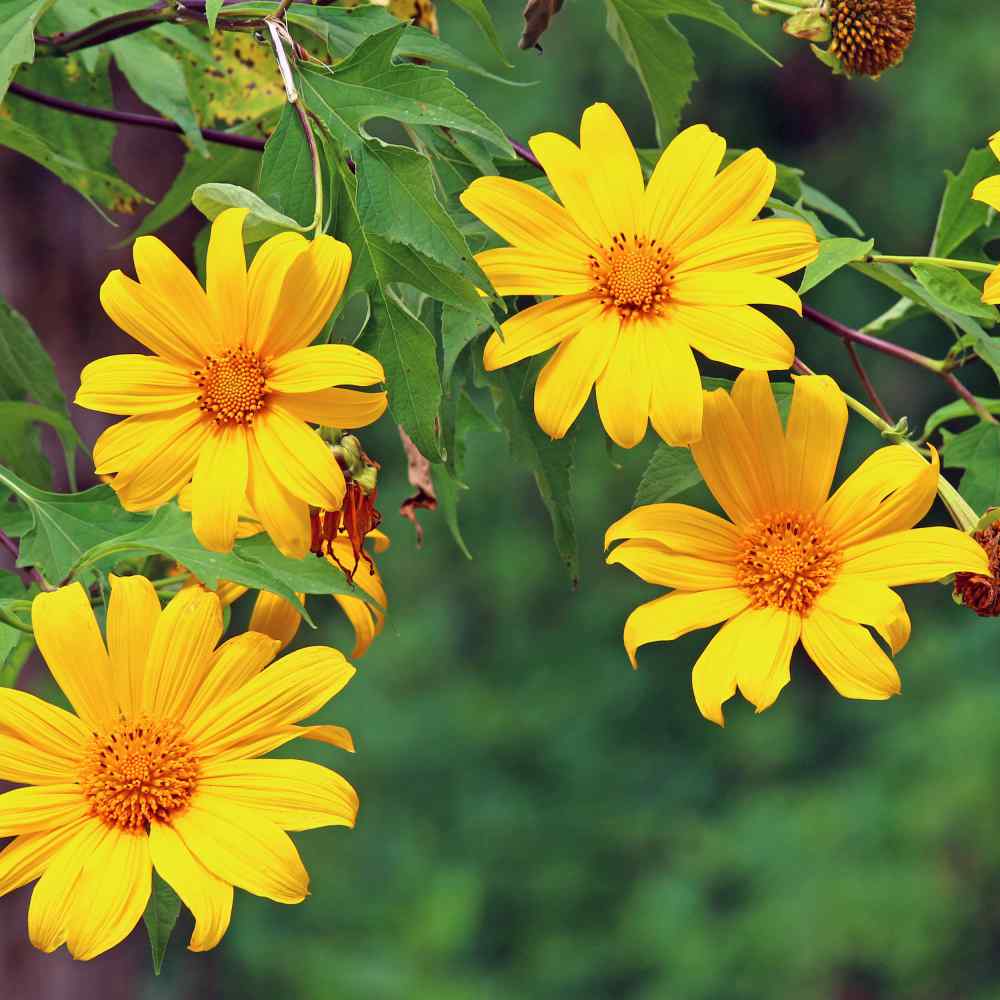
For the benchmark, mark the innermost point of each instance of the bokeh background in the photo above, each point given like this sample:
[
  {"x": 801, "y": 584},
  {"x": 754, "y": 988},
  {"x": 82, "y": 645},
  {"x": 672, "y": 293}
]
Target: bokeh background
[{"x": 537, "y": 819}]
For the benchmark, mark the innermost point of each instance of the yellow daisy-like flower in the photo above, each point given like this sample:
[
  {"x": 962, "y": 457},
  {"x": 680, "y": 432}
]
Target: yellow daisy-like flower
[
  {"x": 790, "y": 563},
  {"x": 226, "y": 399},
  {"x": 161, "y": 767},
  {"x": 639, "y": 275},
  {"x": 274, "y": 616},
  {"x": 988, "y": 191}
]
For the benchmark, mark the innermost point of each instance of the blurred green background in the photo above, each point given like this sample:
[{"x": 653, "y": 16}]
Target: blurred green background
[{"x": 540, "y": 821}]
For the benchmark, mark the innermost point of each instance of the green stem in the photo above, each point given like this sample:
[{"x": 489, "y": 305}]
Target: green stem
[
  {"x": 957, "y": 265},
  {"x": 9, "y": 618},
  {"x": 776, "y": 7}
]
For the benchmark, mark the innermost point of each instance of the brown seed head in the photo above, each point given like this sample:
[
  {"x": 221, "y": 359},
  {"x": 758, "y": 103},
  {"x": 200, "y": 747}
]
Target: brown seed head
[
  {"x": 982, "y": 593},
  {"x": 870, "y": 36}
]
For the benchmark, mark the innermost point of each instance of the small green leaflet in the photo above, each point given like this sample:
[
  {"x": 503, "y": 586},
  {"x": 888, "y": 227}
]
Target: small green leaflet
[
  {"x": 954, "y": 290},
  {"x": 212, "y": 8},
  {"x": 18, "y": 19},
  {"x": 162, "y": 911},
  {"x": 833, "y": 255},
  {"x": 671, "y": 471},
  {"x": 955, "y": 411},
  {"x": 476, "y": 9},
  {"x": 369, "y": 84},
  {"x": 286, "y": 172},
  {"x": 960, "y": 216},
  {"x": 976, "y": 450},
  {"x": 263, "y": 221}
]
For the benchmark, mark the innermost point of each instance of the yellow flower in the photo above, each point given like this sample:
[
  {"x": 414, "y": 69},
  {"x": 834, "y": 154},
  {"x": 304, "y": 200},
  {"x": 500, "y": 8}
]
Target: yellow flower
[
  {"x": 640, "y": 276},
  {"x": 789, "y": 563},
  {"x": 988, "y": 190},
  {"x": 274, "y": 616},
  {"x": 161, "y": 767},
  {"x": 226, "y": 398}
]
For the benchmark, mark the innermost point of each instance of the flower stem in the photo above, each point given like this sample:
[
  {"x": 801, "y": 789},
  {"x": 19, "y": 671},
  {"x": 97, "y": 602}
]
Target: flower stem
[
  {"x": 776, "y": 7},
  {"x": 957, "y": 265},
  {"x": 9, "y": 618},
  {"x": 132, "y": 118}
]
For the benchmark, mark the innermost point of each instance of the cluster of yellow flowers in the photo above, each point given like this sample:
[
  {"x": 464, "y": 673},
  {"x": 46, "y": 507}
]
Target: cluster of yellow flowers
[{"x": 162, "y": 765}]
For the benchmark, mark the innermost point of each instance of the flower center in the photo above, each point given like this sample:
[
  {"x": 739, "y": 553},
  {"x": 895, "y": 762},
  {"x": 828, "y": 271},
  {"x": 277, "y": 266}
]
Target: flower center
[
  {"x": 633, "y": 274},
  {"x": 140, "y": 771},
  {"x": 786, "y": 561},
  {"x": 870, "y": 36},
  {"x": 232, "y": 386}
]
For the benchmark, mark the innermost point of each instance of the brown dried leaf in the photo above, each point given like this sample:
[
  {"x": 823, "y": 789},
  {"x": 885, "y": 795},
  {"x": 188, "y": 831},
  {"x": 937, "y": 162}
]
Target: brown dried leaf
[
  {"x": 538, "y": 15},
  {"x": 418, "y": 471}
]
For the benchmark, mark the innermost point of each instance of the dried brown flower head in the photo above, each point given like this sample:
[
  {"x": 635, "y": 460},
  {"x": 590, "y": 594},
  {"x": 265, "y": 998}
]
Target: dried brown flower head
[
  {"x": 982, "y": 593},
  {"x": 870, "y": 36}
]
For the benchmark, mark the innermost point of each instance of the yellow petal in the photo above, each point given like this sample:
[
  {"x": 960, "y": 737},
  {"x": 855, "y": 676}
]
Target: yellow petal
[
  {"x": 613, "y": 170},
  {"x": 335, "y": 736},
  {"x": 656, "y": 564},
  {"x": 869, "y": 603},
  {"x": 53, "y": 895},
  {"x": 27, "y": 856},
  {"x": 682, "y": 178},
  {"x": 525, "y": 217},
  {"x": 849, "y": 657},
  {"x": 110, "y": 894},
  {"x": 298, "y": 459},
  {"x": 815, "y": 434},
  {"x": 623, "y": 389},
  {"x": 366, "y": 622},
  {"x": 69, "y": 639},
  {"x": 312, "y": 288},
  {"x": 920, "y": 555},
  {"x": 209, "y": 899},
  {"x": 568, "y": 172},
  {"x": 152, "y": 321},
  {"x": 219, "y": 487},
  {"x": 341, "y": 408},
  {"x": 135, "y": 383},
  {"x": 772, "y": 247},
  {"x": 38, "y": 808},
  {"x": 727, "y": 458},
  {"x": 680, "y": 528},
  {"x": 732, "y": 288},
  {"x": 988, "y": 191},
  {"x": 51, "y": 729},
  {"x": 536, "y": 329},
  {"x": 24, "y": 762},
  {"x": 239, "y": 846},
  {"x": 753, "y": 651},
  {"x": 183, "y": 303},
  {"x": 735, "y": 335},
  {"x": 275, "y": 617},
  {"x": 676, "y": 614},
  {"x": 180, "y": 653},
  {"x": 675, "y": 401},
  {"x": 567, "y": 378},
  {"x": 231, "y": 666},
  {"x": 516, "y": 271},
  {"x": 890, "y": 491},
  {"x": 133, "y": 611},
  {"x": 754, "y": 400},
  {"x": 265, "y": 278},
  {"x": 226, "y": 277},
  {"x": 295, "y": 687},
  {"x": 735, "y": 196},
  {"x": 991, "y": 289},
  {"x": 310, "y": 369},
  {"x": 132, "y": 441},
  {"x": 156, "y": 472},
  {"x": 285, "y": 517},
  {"x": 293, "y": 794}
]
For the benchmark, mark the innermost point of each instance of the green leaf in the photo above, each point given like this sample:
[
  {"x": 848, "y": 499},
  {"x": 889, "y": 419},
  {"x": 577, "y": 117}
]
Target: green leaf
[
  {"x": 550, "y": 461},
  {"x": 162, "y": 911},
  {"x": 230, "y": 163},
  {"x": 812, "y": 198},
  {"x": 670, "y": 472},
  {"x": 101, "y": 189},
  {"x": 458, "y": 328},
  {"x": 959, "y": 216},
  {"x": 369, "y": 84},
  {"x": 63, "y": 526},
  {"x": 448, "y": 489},
  {"x": 476, "y": 9},
  {"x": 955, "y": 411},
  {"x": 286, "y": 172},
  {"x": 976, "y": 450},
  {"x": 159, "y": 81},
  {"x": 954, "y": 290},
  {"x": 15, "y": 420},
  {"x": 708, "y": 11},
  {"x": 25, "y": 367},
  {"x": 408, "y": 353},
  {"x": 987, "y": 348},
  {"x": 659, "y": 54},
  {"x": 833, "y": 255},
  {"x": 18, "y": 19},
  {"x": 212, "y": 8},
  {"x": 263, "y": 221},
  {"x": 396, "y": 200}
]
